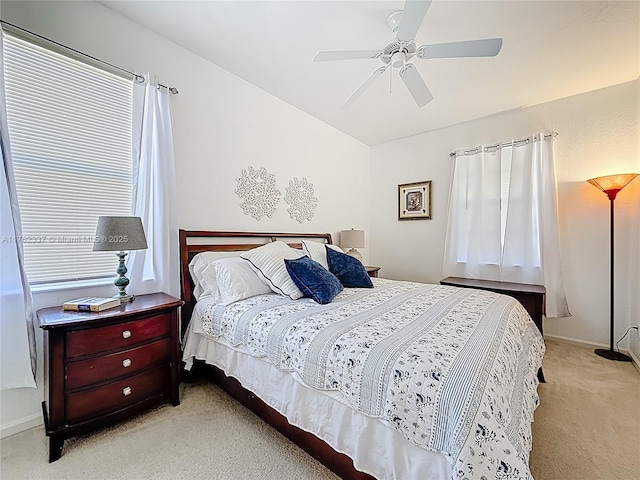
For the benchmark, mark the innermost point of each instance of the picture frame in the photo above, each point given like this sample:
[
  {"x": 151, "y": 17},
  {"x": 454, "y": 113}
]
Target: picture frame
[{"x": 414, "y": 201}]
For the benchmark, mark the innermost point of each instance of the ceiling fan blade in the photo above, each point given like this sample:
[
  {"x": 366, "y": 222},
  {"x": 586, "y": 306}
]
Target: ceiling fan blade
[
  {"x": 347, "y": 55},
  {"x": 489, "y": 47},
  {"x": 412, "y": 17},
  {"x": 366, "y": 84},
  {"x": 414, "y": 82}
]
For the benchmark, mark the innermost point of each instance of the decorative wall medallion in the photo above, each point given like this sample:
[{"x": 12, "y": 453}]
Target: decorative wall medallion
[
  {"x": 299, "y": 196},
  {"x": 257, "y": 189}
]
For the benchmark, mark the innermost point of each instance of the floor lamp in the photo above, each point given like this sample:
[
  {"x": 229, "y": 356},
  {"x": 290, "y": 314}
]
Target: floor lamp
[{"x": 611, "y": 185}]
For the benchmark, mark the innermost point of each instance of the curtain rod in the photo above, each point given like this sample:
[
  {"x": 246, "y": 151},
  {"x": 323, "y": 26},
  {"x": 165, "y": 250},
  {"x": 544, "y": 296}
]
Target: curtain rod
[
  {"x": 511, "y": 143},
  {"x": 138, "y": 78}
]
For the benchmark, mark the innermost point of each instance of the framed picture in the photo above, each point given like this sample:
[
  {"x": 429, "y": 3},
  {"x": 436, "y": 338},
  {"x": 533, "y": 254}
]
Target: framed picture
[{"x": 414, "y": 201}]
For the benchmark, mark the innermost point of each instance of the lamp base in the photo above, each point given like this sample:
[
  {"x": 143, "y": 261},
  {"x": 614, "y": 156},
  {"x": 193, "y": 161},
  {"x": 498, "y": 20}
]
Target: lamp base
[
  {"x": 124, "y": 298},
  {"x": 122, "y": 281},
  {"x": 355, "y": 254},
  {"x": 612, "y": 355}
]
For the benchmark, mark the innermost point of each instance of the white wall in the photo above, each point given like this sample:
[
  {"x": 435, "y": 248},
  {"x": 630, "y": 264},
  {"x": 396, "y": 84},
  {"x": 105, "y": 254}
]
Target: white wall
[
  {"x": 598, "y": 135},
  {"x": 222, "y": 125}
]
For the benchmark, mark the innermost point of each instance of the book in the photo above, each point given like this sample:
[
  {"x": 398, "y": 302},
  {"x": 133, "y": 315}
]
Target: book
[{"x": 91, "y": 304}]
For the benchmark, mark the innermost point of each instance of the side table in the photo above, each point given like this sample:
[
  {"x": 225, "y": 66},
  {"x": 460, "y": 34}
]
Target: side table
[
  {"x": 101, "y": 368},
  {"x": 372, "y": 271}
]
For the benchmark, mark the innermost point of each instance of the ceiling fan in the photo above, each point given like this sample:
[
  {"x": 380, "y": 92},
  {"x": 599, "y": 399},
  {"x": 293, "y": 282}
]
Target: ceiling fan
[{"x": 405, "y": 24}]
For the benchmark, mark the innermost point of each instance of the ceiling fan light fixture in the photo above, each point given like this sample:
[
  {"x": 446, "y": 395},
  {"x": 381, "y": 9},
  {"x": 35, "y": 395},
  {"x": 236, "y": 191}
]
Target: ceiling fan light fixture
[{"x": 398, "y": 59}]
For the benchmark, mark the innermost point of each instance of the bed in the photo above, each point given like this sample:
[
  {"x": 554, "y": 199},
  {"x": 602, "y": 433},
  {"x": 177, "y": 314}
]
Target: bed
[{"x": 400, "y": 381}]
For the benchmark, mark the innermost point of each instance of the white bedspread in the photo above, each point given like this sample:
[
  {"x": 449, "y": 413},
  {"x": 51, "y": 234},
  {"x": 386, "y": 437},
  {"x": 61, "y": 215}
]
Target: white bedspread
[{"x": 452, "y": 370}]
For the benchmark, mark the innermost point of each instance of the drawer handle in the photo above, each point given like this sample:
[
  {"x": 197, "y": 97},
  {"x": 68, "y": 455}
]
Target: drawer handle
[
  {"x": 126, "y": 362},
  {"x": 126, "y": 391},
  {"x": 126, "y": 334}
]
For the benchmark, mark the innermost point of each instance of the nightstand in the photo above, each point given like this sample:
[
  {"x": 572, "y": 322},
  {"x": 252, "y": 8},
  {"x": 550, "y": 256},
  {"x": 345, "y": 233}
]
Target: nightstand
[
  {"x": 104, "y": 367},
  {"x": 372, "y": 271}
]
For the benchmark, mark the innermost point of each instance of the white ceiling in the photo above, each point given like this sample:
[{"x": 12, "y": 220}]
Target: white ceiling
[{"x": 551, "y": 49}]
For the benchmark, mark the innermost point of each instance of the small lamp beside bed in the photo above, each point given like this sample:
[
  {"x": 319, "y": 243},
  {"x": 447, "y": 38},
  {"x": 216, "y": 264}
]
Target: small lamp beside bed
[
  {"x": 117, "y": 234},
  {"x": 352, "y": 239}
]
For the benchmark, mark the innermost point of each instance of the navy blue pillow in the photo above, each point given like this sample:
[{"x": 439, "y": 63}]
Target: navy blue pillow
[
  {"x": 349, "y": 270},
  {"x": 313, "y": 279}
]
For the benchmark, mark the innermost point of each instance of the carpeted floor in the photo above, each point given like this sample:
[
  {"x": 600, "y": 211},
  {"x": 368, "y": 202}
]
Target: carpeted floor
[{"x": 587, "y": 428}]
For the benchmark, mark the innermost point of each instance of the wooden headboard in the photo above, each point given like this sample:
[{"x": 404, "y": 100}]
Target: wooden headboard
[{"x": 193, "y": 242}]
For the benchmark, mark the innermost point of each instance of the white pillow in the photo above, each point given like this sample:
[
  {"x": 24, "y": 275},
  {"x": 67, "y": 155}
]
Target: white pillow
[
  {"x": 233, "y": 279},
  {"x": 317, "y": 251},
  {"x": 268, "y": 262},
  {"x": 196, "y": 266}
]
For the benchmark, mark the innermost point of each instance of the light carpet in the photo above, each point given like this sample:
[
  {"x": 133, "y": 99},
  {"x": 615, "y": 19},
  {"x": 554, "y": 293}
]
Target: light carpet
[{"x": 586, "y": 428}]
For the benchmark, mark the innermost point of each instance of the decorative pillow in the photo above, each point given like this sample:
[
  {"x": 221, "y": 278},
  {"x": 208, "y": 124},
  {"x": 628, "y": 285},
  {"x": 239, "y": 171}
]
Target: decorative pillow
[
  {"x": 313, "y": 279},
  {"x": 233, "y": 279},
  {"x": 348, "y": 269},
  {"x": 268, "y": 262},
  {"x": 318, "y": 251}
]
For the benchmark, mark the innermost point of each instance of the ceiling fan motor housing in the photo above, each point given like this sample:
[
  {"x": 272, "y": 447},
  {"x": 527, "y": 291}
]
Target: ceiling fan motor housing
[{"x": 398, "y": 52}]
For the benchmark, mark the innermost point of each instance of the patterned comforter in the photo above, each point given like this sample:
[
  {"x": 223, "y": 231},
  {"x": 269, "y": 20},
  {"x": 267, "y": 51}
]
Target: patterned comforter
[{"x": 453, "y": 370}]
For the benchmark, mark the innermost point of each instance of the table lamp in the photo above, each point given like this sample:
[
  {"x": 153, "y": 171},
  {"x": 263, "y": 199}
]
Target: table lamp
[
  {"x": 117, "y": 234},
  {"x": 352, "y": 239}
]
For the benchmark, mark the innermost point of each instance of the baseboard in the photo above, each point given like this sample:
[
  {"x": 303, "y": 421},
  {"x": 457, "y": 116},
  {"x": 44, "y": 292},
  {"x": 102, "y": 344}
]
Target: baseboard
[
  {"x": 574, "y": 341},
  {"x": 634, "y": 360},
  {"x": 21, "y": 425}
]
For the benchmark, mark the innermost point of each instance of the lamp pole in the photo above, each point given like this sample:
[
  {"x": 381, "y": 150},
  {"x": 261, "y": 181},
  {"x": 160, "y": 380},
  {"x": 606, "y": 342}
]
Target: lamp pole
[{"x": 612, "y": 197}]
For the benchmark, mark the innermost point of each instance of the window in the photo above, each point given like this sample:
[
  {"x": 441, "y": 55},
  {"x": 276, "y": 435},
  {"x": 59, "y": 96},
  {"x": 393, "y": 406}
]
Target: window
[
  {"x": 503, "y": 217},
  {"x": 495, "y": 213},
  {"x": 70, "y": 131}
]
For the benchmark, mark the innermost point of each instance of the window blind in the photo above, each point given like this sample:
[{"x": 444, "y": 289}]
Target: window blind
[{"x": 70, "y": 132}]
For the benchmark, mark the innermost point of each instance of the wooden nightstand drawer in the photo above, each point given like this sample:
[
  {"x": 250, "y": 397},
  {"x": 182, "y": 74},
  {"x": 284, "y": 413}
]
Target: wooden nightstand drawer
[
  {"x": 115, "y": 365},
  {"x": 96, "y": 340},
  {"x": 98, "y": 401}
]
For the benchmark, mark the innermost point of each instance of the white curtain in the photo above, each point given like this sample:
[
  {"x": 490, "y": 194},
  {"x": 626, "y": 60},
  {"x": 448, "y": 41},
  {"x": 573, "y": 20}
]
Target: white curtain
[
  {"x": 154, "y": 192},
  {"x": 17, "y": 317},
  {"x": 503, "y": 218}
]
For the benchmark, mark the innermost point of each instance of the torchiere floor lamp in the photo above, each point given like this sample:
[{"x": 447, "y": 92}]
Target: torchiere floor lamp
[{"x": 611, "y": 185}]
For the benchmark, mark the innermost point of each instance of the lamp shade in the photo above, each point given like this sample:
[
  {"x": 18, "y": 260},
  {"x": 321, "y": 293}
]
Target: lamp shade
[
  {"x": 352, "y": 238},
  {"x": 119, "y": 234},
  {"x": 612, "y": 184}
]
